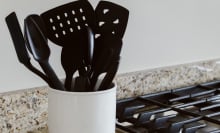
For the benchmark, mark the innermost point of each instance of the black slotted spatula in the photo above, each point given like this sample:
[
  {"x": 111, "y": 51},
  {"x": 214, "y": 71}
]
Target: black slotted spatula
[
  {"x": 66, "y": 27},
  {"x": 111, "y": 23}
]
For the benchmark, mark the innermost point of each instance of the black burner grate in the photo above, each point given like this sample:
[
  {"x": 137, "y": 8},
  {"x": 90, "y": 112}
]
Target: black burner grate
[{"x": 184, "y": 110}]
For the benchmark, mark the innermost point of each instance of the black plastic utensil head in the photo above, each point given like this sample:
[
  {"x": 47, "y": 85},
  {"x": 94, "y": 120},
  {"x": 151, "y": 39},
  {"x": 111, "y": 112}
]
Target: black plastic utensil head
[
  {"x": 110, "y": 52},
  {"x": 111, "y": 23},
  {"x": 88, "y": 46},
  {"x": 111, "y": 19},
  {"x": 64, "y": 23},
  {"x": 36, "y": 40},
  {"x": 17, "y": 38},
  {"x": 71, "y": 59}
]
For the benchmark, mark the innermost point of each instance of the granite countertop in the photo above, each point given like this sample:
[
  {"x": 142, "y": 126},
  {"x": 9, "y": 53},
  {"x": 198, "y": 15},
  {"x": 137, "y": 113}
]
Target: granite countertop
[
  {"x": 25, "y": 111},
  {"x": 45, "y": 130}
]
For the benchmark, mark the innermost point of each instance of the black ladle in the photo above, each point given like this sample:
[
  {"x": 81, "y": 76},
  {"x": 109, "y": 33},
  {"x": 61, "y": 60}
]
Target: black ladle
[
  {"x": 37, "y": 44},
  {"x": 19, "y": 45}
]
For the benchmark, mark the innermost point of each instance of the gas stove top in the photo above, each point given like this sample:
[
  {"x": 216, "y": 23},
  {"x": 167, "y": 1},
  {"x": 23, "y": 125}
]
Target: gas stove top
[{"x": 194, "y": 109}]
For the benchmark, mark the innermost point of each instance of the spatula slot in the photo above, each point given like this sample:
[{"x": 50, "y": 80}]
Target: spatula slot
[
  {"x": 78, "y": 27},
  {"x": 81, "y": 10},
  {"x": 101, "y": 23},
  {"x": 58, "y": 17},
  {"x": 66, "y": 14},
  {"x": 73, "y": 12},
  {"x": 84, "y": 18},
  {"x": 71, "y": 29},
  {"x": 105, "y": 11},
  {"x": 97, "y": 36},
  {"x": 64, "y": 32},
  {"x": 68, "y": 22},
  {"x": 54, "y": 28},
  {"x": 51, "y": 20},
  {"x": 56, "y": 35},
  {"x": 61, "y": 25},
  {"x": 76, "y": 20},
  {"x": 116, "y": 21}
]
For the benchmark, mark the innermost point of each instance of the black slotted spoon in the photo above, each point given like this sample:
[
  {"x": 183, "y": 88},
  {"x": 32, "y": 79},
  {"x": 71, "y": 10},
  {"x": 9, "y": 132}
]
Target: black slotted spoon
[
  {"x": 111, "y": 23},
  {"x": 66, "y": 27}
]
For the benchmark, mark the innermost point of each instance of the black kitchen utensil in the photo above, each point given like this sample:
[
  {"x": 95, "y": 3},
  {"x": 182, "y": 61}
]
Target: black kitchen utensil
[
  {"x": 67, "y": 27},
  {"x": 110, "y": 74},
  {"x": 107, "y": 59},
  {"x": 82, "y": 82},
  {"x": 90, "y": 47},
  {"x": 70, "y": 60},
  {"x": 37, "y": 44},
  {"x": 111, "y": 22},
  {"x": 111, "y": 19},
  {"x": 19, "y": 44}
]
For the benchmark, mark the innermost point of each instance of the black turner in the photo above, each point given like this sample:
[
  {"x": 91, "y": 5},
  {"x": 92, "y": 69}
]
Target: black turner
[
  {"x": 19, "y": 45},
  {"x": 110, "y": 27}
]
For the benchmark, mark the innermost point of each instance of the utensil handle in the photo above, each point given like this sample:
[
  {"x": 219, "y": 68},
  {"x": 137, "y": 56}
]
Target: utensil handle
[
  {"x": 82, "y": 84},
  {"x": 52, "y": 75},
  {"x": 17, "y": 38},
  {"x": 106, "y": 82},
  {"x": 68, "y": 81},
  {"x": 93, "y": 81},
  {"x": 101, "y": 66},
  {"x": 40, "y": 74}
]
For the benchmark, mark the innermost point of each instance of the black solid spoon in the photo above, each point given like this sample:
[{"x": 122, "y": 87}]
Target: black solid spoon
[
  {"x": 82, "y": 82},
  {"x": 71, "y": 59},
  {"x": 37, "y": 42},
  {"x": 19, "y": 45}
]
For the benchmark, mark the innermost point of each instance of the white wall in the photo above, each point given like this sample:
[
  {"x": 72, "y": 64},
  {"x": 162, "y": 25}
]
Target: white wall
[{"x": 160, "y": 33}]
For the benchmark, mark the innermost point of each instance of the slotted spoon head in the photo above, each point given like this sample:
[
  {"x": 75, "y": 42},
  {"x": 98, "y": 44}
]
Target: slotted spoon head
[{"x": 64, "y": 23}]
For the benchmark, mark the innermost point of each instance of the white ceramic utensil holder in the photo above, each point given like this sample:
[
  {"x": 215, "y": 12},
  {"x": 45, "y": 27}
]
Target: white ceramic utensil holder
[{"x": 82, "y": 112}]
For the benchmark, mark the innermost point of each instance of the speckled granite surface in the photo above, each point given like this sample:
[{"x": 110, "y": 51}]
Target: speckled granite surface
[
  {"x": 150, "y": 81},
  {"x": 26, "y": 111}
]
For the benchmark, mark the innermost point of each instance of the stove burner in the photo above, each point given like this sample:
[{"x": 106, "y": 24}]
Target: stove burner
[{"x": 194, "y": 109}]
